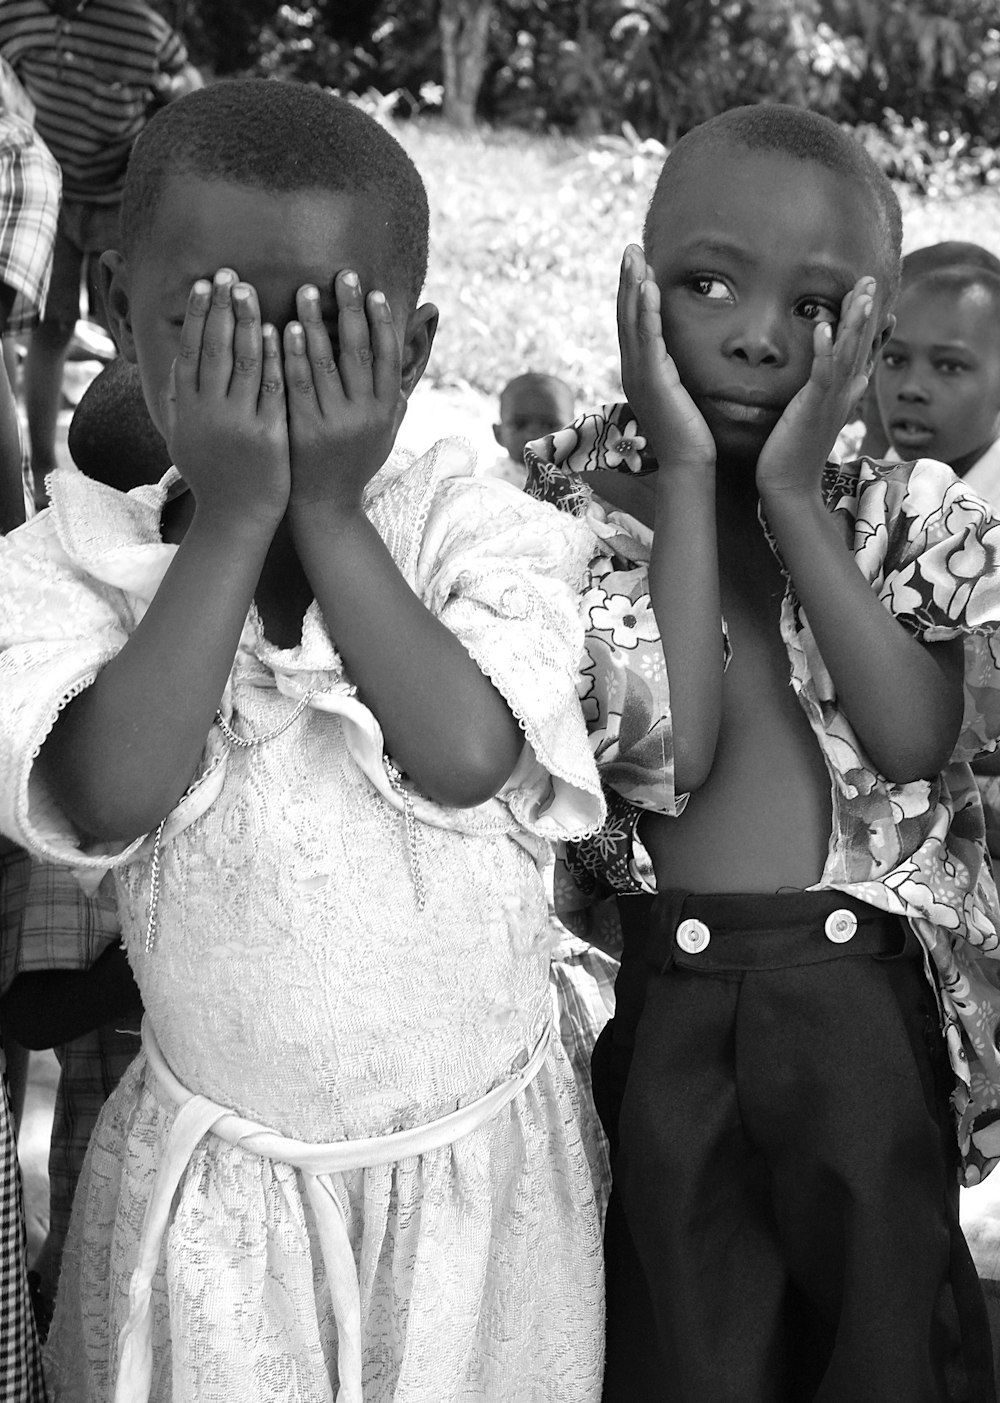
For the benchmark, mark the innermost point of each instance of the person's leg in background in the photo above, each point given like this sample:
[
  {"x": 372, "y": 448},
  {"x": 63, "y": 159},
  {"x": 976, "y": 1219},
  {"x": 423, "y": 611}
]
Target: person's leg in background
[{"x": 85, "y": 231}]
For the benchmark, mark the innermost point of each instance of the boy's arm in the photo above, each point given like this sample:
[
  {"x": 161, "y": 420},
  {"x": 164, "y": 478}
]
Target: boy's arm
[
  {"x": 445, "y": 724},
  {"x": 903, "y": 698},
  {"x": 125, "y": 750},
  {"x": 683, "y": 569}
]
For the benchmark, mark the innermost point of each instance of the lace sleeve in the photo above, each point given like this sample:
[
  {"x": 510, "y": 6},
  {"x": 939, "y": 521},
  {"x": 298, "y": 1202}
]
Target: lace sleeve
[
  {"x": 930, "y": 545},
  {"x": 58, "y": 628},
  {"x": 503, "y": 573}
]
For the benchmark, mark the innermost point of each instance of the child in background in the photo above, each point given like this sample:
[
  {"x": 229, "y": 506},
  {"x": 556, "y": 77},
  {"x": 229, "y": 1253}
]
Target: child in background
[
  {"x": 784, "y": 1218},
  {"x": 937, "y": 381},
  {"x": 111, "y": 437},
  {"x": 29, "y": 205},
  {"x": 72, "y": 991},
  {"x": 873, "y": 438},
  {"x": 937, "y": 387},
  {"x": 531, "y": 406},
  {"x": 347, "y": 1163}
]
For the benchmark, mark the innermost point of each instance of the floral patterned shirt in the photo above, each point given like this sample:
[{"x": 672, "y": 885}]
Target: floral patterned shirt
[{"x": 929, "y": 547}]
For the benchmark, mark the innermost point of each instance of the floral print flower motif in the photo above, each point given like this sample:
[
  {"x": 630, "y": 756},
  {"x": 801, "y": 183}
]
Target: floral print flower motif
[
  {"x": 624, "y": 448},
  {"x": 629, "y": 622}
]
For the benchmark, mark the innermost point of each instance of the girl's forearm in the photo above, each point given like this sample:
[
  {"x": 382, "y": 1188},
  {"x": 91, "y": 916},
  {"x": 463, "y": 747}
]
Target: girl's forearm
[
  {"x": 125, "y": 750},
  {"x": 445, "y": 724}
]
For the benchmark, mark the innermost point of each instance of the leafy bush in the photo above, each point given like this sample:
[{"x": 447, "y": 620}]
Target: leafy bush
[{"x": 938, "y": 163}]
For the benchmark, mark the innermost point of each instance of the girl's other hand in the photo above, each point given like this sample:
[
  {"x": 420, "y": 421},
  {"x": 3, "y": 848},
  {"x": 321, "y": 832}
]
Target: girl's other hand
[
  {"x": 224, "y": 407},
  {"x": 344, "y": 407}
]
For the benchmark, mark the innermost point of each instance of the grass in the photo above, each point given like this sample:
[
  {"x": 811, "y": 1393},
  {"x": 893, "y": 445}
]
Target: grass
[{"x": 526, "y": 238}]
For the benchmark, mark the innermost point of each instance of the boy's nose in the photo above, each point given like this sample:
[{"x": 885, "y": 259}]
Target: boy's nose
[
  {"x": 913, "y": 389},
  {"x": 757, "y": 338}
]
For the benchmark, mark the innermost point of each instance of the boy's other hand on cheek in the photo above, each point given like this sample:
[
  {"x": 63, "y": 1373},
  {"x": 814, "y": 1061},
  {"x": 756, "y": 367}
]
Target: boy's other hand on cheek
[
  {"x": 344, "y": 410},
  {"x": 224, "y": 408},
  {"x": 666, "y": 413},
  {"x": 796, "y": 452}
]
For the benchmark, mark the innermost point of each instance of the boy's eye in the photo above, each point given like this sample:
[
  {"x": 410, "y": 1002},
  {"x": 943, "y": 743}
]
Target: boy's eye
[
  {"x": 816, "y": 311},
  {"x": 707, "y": 286},
  {"x": 892, "y": 360},
  {"x": 950, "y": 367}
]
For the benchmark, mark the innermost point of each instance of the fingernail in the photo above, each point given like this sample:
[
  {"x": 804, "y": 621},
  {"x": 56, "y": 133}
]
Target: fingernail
[
  {"x": 351, "y": 280},
  {"x": 296, "y": 337}
]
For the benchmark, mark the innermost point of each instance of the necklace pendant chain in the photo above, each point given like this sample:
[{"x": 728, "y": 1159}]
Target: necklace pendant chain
[
  {"x": 412, "y": 832},
  {"x": 244, "y": 742}
]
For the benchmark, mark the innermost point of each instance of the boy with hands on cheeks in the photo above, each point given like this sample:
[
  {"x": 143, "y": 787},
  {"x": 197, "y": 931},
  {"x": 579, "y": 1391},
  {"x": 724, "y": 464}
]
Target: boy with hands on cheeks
[
  {"x": 783, "y": 1222},
  {"x": 313, "y": 701}
]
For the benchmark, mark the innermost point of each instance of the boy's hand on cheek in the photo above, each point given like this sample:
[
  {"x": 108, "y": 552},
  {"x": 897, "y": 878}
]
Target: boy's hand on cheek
[
  {"x": 797, "y": 450},
  {"x": 666, "y": 413},
  {"x": 224, "y": 409},
  {"x": 344, "y": 410}
]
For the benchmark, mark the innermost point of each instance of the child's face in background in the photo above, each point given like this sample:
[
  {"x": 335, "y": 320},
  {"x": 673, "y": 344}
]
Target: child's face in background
[
  {"x": 750, "y": 250},
  {"x": 530, "y": 411},
  {"x": 938, "y": 380},
  {"x": 276, "y": 242}
]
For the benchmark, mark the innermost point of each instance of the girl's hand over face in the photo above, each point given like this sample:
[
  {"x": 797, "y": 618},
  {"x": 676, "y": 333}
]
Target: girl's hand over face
[
  {"x": 666, "y": 413},
  {"x": 224, "y": 407},
  {"x": 344, "y": 409},
  {"x": 800, "y": 443}
]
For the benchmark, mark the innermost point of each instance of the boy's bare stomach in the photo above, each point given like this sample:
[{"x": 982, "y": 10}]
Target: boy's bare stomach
[{"x": 761, "y": 822}]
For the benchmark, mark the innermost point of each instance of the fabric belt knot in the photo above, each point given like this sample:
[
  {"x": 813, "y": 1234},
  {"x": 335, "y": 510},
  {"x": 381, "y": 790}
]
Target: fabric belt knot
[{"x": 196, "y": 1116}]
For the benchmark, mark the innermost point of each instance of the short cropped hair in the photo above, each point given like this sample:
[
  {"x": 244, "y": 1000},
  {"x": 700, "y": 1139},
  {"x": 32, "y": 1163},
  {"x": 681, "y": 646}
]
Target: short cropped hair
[
  {"x": 111, "y": 436},
  {"x": 958, "y": 279},
  {"x": 280, "y": 136},
  {"x": 952, "y": 253},
  {"x": 803, "y": 136},
  {"x": 558, "y": 389}
]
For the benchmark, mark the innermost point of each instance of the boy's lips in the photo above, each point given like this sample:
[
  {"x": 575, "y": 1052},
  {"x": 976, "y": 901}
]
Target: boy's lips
[
  {"x": 745, "y": 408},
  {"x": 911, "y": 432}
]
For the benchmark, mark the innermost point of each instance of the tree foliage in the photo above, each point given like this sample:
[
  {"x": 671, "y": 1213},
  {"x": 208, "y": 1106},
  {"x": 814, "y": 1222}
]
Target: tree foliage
[{"x": 922, "y": 72}]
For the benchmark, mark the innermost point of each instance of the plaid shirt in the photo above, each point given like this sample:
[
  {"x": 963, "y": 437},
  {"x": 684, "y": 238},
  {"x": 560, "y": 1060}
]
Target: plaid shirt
[
  {"x": 30, "y": 185},
  {"x": 63, "y": 928},
  {"x": 20, "y": 1358}
]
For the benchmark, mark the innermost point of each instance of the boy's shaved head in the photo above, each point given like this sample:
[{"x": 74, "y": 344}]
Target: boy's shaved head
[
  {"x": 981, "y": 283},
  {"x": 279, "y": 137},
  {"x": 556, "y": 389},
  {"x": 800, "y": 135},
  {"x": 953, "y": 253}
]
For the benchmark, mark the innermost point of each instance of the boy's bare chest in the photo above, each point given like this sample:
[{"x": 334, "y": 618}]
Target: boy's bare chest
[{"x": 762, "y": 819}]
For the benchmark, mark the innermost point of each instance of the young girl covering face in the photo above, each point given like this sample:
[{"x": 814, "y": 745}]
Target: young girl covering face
[{"x": 335, "y": 686}]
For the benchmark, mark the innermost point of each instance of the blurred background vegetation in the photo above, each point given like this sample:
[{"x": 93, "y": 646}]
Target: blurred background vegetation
[{"x": 539, "y": 126}]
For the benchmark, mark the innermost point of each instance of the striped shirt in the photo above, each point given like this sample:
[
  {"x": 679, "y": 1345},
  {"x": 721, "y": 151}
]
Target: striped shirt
[
  {"x": 92, "y": 75},
  {"x": 29, "y": 208}
]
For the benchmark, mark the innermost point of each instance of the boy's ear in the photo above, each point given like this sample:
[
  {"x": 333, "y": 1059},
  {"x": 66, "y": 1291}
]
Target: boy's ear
[
  {"x": 498, "y": 434},
  {"x": 421, "y": 329},
  {"x": 115, "y": 290}
]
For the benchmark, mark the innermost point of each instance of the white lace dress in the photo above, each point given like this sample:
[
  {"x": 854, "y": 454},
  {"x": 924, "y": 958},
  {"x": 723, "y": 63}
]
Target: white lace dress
[{"x": 296, "y": 979}]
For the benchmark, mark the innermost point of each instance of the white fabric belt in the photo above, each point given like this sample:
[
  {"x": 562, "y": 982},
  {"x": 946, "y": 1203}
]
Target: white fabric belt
[{"x": 197, "y": 1115}]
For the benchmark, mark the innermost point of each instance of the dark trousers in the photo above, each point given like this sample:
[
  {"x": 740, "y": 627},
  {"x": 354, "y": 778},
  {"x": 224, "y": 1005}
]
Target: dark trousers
[{"x": 783, "y": 1226}]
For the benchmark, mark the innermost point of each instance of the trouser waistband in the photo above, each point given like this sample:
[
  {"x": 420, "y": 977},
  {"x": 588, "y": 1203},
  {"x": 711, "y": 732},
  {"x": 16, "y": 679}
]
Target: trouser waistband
[{"x": 733, "y": 931}]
